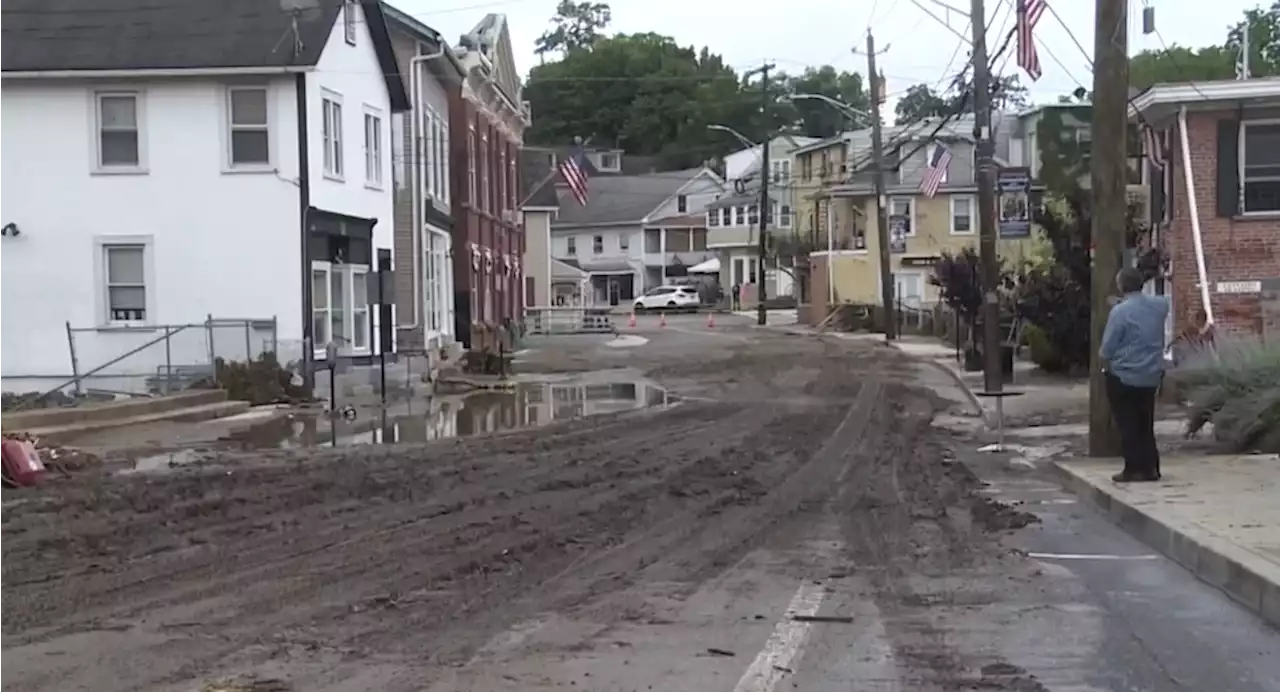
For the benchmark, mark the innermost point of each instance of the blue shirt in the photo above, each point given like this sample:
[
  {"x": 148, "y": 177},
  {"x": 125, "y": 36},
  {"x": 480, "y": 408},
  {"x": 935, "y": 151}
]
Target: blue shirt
[{"x": 1133, "y": 341}]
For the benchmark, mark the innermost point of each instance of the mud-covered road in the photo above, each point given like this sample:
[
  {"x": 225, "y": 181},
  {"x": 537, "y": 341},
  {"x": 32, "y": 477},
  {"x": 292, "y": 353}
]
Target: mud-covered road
[{"x": 658, "y": 549}]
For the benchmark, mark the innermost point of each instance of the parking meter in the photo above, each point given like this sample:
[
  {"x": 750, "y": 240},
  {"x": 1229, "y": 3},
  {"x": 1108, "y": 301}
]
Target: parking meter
[{"x": 331, "y": 359}]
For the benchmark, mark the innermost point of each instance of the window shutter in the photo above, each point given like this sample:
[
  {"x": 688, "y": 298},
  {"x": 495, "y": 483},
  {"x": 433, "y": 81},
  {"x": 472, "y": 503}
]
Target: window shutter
[{"x": 1228, "y": 167}]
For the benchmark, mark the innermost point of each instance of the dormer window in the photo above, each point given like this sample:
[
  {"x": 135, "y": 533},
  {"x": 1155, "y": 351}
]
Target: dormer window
[
  {"x": 349, "y": 21},
  {"x": 608, "y": 163}
]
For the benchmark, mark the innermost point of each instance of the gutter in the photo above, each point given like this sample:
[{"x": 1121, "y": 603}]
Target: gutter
[
  {"x": 417, "y": 202},
  {"x": 179, "y": 72}
]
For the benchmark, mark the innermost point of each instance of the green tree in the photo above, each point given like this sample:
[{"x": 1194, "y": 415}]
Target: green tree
[
  {"x": 576, "y": 25},
  {"x": 1181, "y": 64},
  {"x": 817, "y": 119},
  {"x": 643, "y": 93},
  {"x": 920, "y": 102}
]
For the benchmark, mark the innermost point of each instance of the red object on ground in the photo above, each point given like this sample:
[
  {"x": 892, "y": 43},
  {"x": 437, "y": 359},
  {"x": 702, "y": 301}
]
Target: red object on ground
[
  {"x": 663, "y": 321},
  {"x": 22, "y": 465},
  {"x": 631, "y": 321},
  {"x": 711, "y": 320}
]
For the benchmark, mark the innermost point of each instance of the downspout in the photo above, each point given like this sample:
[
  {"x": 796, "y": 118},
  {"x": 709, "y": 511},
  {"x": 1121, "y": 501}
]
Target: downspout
[
  {"x": 304, "y": 207},
  {"x": 1194, "y": 210},
  {"x": 415, "y": 194}
]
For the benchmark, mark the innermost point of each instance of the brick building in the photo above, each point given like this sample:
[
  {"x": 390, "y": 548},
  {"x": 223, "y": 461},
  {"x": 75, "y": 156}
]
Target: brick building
[
  {"x": 1232, "y": 132},
  {"x": 487, "y": 123}
]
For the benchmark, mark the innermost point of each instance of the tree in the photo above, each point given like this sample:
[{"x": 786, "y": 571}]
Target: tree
[
  {"x": 644, "y": 94},
  {"x": 920, "y": 102},
  {"x": 1181, "y": 64},
  {"x": 576, "y": 25},
  {"x": 817, "y": 119}
]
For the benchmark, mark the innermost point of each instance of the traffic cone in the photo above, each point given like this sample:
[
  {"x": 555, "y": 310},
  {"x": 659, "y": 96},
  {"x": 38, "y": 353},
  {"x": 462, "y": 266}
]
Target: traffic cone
[
  {"x": 662, "y": 321},
  {"x": 711, "y": 320},
  {"x": 631, "y": 321}
]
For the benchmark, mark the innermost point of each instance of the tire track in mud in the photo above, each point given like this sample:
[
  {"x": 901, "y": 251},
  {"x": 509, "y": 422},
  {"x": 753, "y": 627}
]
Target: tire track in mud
[{"x": 909, "y": 519}]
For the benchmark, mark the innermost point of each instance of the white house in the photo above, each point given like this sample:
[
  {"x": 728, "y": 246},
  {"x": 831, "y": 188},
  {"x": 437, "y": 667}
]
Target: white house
[
  {"x": 745, "y": 163},
  {"x": 635, "y": 232},
  {"x": 239, "y": 168}
]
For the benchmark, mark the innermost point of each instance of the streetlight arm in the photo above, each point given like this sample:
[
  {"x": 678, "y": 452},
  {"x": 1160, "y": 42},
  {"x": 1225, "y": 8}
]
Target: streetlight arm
[
  {"x": 740, "y": 137},
  {"x": 834, "y": 103}
]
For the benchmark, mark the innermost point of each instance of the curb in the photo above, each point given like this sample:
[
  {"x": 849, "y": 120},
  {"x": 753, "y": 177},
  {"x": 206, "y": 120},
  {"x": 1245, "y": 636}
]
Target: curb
[
  {"x": 1245, "y": 578},
  {"x": 987, "y": 419}
]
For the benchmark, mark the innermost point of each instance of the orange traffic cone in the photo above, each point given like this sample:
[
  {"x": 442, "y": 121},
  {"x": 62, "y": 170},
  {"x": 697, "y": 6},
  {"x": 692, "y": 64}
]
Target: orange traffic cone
[
  {"x": 662, "y": 322},
  {"x": 631, "y": 321},
  {"x": 711, "y": 320}
]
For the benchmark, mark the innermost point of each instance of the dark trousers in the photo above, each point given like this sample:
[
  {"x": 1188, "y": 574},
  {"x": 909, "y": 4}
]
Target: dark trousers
[{"x": 1134, "y": 410}]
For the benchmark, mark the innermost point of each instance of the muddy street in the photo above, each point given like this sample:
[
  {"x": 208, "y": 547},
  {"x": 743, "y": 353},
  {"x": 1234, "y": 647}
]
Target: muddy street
[{"x": 791, "y": 522}]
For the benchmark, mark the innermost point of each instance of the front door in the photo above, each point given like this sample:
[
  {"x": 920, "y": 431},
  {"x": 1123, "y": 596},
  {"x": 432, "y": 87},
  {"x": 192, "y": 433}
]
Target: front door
[
  {"x": 909, "y": 289},
  {"x": 615, "y": 290}
]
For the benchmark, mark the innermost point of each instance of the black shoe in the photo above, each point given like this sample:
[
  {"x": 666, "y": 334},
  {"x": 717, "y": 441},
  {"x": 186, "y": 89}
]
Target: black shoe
[{"x": 1125, "y": 477}]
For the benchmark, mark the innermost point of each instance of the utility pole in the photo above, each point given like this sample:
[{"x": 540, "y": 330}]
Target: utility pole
[
  {"x": 1107, "y": 177},
  {"x": 882, "y": 206},
  {"x": 989, "y": 234},
  {"x": 766, "y": 208}
]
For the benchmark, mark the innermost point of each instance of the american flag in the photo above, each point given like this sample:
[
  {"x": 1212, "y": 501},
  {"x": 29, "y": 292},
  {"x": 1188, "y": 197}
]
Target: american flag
[
  {"x": 936, "y": 172},
  {"x": 1029, "y": 13},
  {"x": 1153, "y": 143},
  {"x": 575, "y": 174}
]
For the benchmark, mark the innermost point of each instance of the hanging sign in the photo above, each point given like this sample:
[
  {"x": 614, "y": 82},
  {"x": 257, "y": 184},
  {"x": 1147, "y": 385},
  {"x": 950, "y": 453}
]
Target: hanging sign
[
  {"x": 1013, "y": 200},
  {"x": 897, "y": 233}
]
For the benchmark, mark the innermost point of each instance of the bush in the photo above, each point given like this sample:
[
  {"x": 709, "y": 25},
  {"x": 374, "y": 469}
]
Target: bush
[
  {"x": 1236, "y": 386},
  {"x": 1044, "y": 353},
  {"x": 260, "y": 381}
]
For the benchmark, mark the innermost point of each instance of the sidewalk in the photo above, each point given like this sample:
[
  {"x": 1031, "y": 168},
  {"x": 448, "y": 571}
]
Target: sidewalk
[{"x": 1218, "y": 516}]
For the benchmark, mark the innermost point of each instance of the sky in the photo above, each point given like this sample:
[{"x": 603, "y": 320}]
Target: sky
[{"x": 799, "y": 33}]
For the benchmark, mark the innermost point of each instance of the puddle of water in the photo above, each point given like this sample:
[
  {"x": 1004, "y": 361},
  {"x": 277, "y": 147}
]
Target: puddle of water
[{"x": 528, "y": 405}]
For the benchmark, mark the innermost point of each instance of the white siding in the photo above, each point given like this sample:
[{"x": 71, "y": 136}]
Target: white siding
[
  {"x": 219, "y": 243},
  {"x": 698, "y": 193}
]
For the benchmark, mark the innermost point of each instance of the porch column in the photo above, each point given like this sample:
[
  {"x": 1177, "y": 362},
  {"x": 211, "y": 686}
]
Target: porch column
[{"x": 662, "y": 253}]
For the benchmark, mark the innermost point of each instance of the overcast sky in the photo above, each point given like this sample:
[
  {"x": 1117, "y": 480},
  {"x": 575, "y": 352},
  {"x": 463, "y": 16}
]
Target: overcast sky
[{"x": 798, "y": 33}]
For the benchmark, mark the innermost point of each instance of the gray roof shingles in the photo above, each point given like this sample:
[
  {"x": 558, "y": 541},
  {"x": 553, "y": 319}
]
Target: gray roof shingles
[
  {"x": 86, "y": 35},
  {"x": 620, "y": 198}
]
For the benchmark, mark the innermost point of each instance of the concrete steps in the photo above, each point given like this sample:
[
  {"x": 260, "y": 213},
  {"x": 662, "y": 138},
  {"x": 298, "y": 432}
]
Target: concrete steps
[{"x": 63, "y": 423}]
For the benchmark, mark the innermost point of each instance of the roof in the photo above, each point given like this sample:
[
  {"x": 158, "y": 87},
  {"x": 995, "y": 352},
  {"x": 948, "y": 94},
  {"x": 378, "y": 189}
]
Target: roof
[
  {"x": 620, "y": 199},
  {"x": 126, "y": 35},
  {"x": 566, "y": 269},
  {"x": 1165, "y": 96},
  {"x": 535, "y": 164},
  {"x": 422, "y": 32}
]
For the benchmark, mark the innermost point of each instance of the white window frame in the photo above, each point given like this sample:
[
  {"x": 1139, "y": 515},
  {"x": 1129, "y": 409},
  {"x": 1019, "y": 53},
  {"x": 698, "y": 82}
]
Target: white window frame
[
  {"x": 624, "y": 242},
  {"x": 473, "y": 146},
  {"x": 597, "y": 244},
  {"x": 443, "y": 164},
  {"x": 713, "y": 218},
  {"x": 231, "y": 127},
  {"x": 916, "y": 277},
  {"x": 331, "y": 139},
  {"x": 784, "y": 219},
  {"x": 349, "y": 22},
  {"x": 374, "y": 149},
  {"x": 973, "y": 214},
  {"x": 486, "y": 191},
  {"x": 603, "y": 162},
  {"x": 929, "y": 151},
  {"x": 1240, "y": 166},
  {"x": 347, "y": 343},
  {"x": 140, "y": 121},
  {"x": 911, "y": 213},
  {"x": 571, "y": 246},
  {"x": 101, "y": 245}
]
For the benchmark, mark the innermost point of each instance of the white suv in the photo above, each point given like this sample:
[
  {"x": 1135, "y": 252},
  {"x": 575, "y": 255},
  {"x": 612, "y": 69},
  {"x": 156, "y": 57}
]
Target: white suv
[{"x": 669, "y": 298}]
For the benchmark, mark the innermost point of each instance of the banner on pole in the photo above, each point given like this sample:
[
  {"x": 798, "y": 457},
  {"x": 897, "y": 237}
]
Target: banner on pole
[{"x": 1013, "y": 202}]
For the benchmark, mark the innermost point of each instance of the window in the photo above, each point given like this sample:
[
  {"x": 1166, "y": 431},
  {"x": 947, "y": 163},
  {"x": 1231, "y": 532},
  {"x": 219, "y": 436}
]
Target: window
[
  {"x": 726, "y": 216},
  {"x": 126, "y": 282},
  {"x": 785, "y": 220},
  {"x": 962, "y": 209},
  {"x": 514, "y": 188},
  {"x": 471, "y": 166},
  {"x": 426, "y": 155},
  {"x": 340, "y": 306},
  {"x": 1260, "y": 166},
  {"x": 624, "y": 242},
  {"x": 486, "y": 193},
  {"x": 781, "y": 171},
  {"x": 250, "y": 137},
  {"x": 571, "y": 246},
  {"x": 332, "y": 114},
  {"x": 372, "y": 148},
  {"x": 753, "y": 215},
  {"x": 119, "y": 141},
  {"x": 682, "y": 204},
  {"x": 609, "y": 162},
  {"x": 349, "y": 21},
  {"x": 597, "y": 245},
  {"x": 906, "y": 208},
  {"x": 501, "y": 174},
  {"x": 806, "y": 167},
  {"x": 713, "y": 217}
]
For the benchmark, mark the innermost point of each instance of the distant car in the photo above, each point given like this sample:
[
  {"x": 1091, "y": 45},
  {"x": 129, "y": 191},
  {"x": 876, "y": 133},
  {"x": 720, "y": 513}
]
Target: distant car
[{"x": 669, "y": 298}]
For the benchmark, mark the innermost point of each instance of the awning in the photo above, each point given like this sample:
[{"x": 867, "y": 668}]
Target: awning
[{"x": 711, "y": 266}]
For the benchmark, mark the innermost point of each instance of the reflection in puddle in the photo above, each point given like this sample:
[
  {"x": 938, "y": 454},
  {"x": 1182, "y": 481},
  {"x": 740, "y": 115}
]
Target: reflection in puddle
[{"x": 528, "y": 405}]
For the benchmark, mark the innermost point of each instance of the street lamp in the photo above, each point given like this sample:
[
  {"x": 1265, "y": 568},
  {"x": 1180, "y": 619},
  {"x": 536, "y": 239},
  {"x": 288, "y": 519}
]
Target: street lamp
[
  {"x": 766, "y": 212},
  {"x": 834, "y": 103}
]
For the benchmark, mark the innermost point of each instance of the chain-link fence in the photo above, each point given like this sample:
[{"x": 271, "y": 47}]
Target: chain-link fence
[{"x": 158, "y": 359}]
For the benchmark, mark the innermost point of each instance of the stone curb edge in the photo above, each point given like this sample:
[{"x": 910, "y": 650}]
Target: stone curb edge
[
  {"x": 987, "y": 418},
  {"x": 1211, "y": 564}
]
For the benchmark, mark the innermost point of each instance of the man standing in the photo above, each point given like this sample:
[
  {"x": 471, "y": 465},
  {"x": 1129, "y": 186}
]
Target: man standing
[{"x": 1133, "y": 351}]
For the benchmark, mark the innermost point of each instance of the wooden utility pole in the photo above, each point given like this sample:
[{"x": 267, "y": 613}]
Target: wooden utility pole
[
  {"x": 766, "y": 207},
  {"x": 882, "y": 204},
  {"x": 989, "y": 233},
  {"x": 1107, "y": 176}
]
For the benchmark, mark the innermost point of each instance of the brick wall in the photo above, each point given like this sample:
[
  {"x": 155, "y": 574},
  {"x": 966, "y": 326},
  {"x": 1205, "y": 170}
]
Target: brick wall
[{"x": 1236, "y": 249}]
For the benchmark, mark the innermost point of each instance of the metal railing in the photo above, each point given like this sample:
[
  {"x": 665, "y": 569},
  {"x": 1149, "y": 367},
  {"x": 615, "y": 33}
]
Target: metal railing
[
  {"x": 159, "y": 359},
  {"x": 543, "y": 320}
]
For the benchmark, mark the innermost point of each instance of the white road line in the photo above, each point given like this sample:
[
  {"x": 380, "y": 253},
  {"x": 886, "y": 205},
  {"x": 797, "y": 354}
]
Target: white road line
[
  {"x": 1077, "y": 556},
  {"x": 784, "y": 645}
]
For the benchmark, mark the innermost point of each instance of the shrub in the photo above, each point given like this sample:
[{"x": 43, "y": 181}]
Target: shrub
[
  {"x": 259, "y": 381},
  {"x": 1236, "y": 386},
  {"x": 1044, "y": 353}
]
